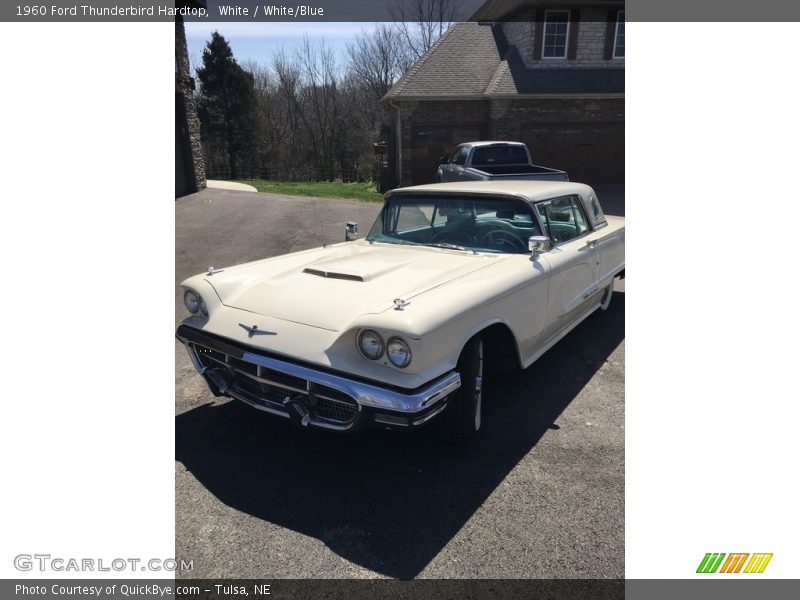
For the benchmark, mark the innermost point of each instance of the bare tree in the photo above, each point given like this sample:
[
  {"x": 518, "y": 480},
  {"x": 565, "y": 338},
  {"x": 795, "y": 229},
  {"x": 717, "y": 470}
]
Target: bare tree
[
  {"x": 422, "y": 22},
  {"x": 316, "y": 119},
  {"x": 379, "y": 58}
]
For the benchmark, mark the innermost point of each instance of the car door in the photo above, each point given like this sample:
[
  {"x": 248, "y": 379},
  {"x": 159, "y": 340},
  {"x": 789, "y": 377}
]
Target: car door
[{"x": 574, "y": 264}]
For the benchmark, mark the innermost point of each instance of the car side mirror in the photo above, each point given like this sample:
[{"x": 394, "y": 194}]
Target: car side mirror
[
  {"x": 351, "y": 229},
  {"x": 443, "y": 159},
  {"x": 538, "y": 244}
]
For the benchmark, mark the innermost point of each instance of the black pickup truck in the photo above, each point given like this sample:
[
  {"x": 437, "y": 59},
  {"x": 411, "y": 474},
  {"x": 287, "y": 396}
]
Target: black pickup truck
[{"x": 493, "y": 161}]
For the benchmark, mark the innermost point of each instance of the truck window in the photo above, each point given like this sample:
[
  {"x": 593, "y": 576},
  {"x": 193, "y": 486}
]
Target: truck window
[
  {"x": 460, "y": 156},
  {"x": 500, "y": 155}
]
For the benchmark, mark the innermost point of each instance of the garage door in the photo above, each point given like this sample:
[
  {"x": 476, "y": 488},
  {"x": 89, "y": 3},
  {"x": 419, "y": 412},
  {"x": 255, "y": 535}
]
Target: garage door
[{"x": 592, "y": 153}]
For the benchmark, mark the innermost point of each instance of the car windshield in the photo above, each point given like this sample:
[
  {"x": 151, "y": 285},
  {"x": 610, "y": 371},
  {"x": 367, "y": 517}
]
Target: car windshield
[{"x": 499, "y": 225}]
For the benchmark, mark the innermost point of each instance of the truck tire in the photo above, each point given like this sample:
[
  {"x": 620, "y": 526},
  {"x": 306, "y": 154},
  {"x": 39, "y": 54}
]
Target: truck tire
[{"x": 461, "y": 420}]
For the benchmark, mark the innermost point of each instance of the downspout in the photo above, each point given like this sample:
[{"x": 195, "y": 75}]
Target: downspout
[{"x": 399, "y": 136}]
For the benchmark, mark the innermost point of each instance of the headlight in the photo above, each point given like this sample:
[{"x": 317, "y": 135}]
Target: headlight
[
  {"x": 398, "y": 352},
  {"x": 192, "y": 300},
  {"x": 371, "y": 344}
]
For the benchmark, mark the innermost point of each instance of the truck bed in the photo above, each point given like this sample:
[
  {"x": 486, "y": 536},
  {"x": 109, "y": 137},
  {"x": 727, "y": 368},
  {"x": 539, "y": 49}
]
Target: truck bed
[{"x": 519, "y": 172}]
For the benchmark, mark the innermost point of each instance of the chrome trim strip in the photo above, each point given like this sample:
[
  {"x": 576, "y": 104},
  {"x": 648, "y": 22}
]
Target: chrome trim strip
[
  {"x": 430, "y": 415},
  {"x": 380, "y": 419},
  {"x": 364, "y": 393}
]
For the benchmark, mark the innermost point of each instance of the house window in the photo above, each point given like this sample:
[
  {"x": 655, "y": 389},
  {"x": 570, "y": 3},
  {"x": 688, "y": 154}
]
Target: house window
[
  {"x": 556, "y": 34},
  {"x": 619, "y": 36}
]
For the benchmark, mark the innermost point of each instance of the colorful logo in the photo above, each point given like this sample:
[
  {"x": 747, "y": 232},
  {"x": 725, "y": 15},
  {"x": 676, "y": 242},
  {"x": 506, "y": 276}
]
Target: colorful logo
[{"x": 734, "y": 562}]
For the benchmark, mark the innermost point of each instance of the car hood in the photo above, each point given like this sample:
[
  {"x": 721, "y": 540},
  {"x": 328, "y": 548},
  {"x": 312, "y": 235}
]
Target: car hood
[{"x": 330, "y": 287}]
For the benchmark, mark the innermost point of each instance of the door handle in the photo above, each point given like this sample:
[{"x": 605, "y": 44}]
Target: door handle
[{"x": 591, "y": 243}]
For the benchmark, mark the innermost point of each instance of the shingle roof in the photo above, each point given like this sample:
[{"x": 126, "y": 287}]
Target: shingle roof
[
  {"x": 512, "y": 78},
  {"x": 474, "y": 60},
  {"x": 461, "y": 63},
  {"x": 494, "y": 10},
  {"x": 511, "y": 10}
]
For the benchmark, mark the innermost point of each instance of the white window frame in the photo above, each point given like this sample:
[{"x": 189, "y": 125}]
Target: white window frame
[
  {"x": 616, "y": 35},
  {"x": 547, "y": 13}
]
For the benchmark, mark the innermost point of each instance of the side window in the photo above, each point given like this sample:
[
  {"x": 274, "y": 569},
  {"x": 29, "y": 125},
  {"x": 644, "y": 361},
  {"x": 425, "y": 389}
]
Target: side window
[
  {"x": 563, "y": 218},
  {"x": 413, "y": 216},
  {"x": 619, "y": 36},
  {"x": 460, "y": 157}
]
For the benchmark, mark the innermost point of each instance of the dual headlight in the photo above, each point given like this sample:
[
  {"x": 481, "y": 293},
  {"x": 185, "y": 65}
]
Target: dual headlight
[
  {"x": 194, "y": 303},
  {"x": 372, "y": 346}
]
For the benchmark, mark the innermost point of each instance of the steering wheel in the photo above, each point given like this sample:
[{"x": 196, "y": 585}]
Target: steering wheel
[{"x": 501, "y": 237}]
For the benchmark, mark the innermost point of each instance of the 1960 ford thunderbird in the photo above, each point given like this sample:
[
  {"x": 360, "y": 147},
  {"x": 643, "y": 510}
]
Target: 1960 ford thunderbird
[{"x": 398, "y": 328}]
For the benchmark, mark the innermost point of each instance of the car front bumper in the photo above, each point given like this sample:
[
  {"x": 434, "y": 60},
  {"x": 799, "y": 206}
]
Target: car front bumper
[{"x": 307, "y": 395}]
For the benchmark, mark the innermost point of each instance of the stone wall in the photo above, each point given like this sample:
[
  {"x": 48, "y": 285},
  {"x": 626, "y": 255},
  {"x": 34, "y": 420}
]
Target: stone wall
[
  {"x": 184, "y": 86},
  {"x": 590, "y": 51}
]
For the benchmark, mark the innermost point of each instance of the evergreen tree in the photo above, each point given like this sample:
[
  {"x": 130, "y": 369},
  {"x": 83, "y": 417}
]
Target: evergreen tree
[{"x": 225, "y": 102}]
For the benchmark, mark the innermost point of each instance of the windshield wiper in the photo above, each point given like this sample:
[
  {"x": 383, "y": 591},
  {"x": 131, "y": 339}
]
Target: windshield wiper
[
  {"x": 449, "y": 247},
  {"x": 394, "y": 242}
]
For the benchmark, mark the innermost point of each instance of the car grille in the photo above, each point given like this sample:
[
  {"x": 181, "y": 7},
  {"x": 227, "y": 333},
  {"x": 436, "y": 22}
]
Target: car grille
[{"x": 272, "y": 389}]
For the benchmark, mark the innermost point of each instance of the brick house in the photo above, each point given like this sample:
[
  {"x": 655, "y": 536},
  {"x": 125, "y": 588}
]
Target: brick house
[
  {"x": 546, "y": 73},
  {"x": 190, "y": 171}
]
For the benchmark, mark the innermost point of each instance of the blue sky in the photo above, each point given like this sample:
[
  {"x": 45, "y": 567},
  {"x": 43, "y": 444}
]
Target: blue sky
[{"x": 258, "y": 41}]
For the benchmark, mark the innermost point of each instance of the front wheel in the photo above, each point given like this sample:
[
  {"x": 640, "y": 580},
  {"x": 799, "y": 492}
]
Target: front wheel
[{"x": 461, "y": 419}]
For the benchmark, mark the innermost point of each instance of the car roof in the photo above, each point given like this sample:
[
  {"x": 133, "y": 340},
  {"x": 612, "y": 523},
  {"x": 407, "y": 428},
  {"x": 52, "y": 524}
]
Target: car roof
[
  {"x": 531, "y": 191},
  {"x": 491, "y": 143}
]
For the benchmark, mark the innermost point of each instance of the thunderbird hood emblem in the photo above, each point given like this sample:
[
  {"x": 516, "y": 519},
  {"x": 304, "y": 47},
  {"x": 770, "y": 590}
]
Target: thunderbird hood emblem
[{"x": 254, "y": 330}]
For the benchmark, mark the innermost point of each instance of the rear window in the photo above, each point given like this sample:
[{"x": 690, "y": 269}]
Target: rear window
[{"x": 500, "y": 155}]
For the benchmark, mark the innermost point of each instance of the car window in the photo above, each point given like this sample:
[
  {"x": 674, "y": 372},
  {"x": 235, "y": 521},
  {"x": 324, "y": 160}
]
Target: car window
[
  {"x": 563, "y": 218},
  {"x": 460, "y": 156},
  {"x": 414, "y": 216},
  {"x": 492, "y": 224}
]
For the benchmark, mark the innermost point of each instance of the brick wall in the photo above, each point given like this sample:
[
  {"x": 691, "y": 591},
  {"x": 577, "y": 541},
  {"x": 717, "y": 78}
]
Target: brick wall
[
  {"x": 508, "y": 116},
  {"x": 590, "y": 51},
  {"x": 498, "y": 119},
  {"x": 448, "y": 113}
]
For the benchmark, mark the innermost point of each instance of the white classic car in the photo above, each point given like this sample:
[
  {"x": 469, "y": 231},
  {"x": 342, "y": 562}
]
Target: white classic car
[{"x": 397, "y": 328}]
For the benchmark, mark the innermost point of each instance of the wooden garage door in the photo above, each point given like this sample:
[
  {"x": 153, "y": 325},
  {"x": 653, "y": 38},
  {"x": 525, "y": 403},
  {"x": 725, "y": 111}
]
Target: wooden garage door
[{"x": 592, "y": 153}]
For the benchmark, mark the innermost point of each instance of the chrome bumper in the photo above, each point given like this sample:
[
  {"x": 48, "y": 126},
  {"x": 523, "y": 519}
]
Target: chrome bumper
[{"x": 308, "y": 396}]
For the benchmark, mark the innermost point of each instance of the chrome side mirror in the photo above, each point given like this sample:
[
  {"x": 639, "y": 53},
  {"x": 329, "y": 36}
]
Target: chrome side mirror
[
  {"x": 538, "y": 244},
  {"x": 351, "y": 229}
]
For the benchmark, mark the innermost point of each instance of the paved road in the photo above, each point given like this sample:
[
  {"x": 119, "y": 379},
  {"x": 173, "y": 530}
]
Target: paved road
[{"x": 540, "y": 494}]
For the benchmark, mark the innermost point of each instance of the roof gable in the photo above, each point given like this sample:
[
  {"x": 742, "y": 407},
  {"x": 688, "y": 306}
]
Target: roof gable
[{"x": 461, "y": 63}]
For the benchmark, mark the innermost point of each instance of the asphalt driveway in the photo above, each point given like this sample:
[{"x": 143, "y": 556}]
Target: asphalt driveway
[{"x": 540, "y": 494}]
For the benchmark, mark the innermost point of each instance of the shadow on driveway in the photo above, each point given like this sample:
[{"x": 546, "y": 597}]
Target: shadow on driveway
[{"x": 389, "y": 502}]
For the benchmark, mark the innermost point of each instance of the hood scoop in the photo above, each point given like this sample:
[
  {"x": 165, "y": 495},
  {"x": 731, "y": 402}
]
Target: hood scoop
[{"x": 333, "y": 274}]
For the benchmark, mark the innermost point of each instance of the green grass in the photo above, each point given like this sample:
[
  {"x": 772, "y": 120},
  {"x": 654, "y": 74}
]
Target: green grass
[{"x": 319, "y": 189}]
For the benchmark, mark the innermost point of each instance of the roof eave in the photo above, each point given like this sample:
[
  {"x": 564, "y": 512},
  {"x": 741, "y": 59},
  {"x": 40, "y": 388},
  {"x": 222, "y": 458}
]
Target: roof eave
[{"x": 496, "y": 96}]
